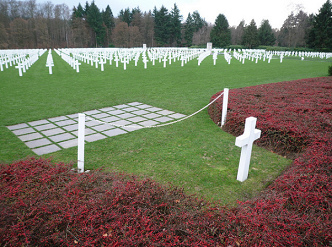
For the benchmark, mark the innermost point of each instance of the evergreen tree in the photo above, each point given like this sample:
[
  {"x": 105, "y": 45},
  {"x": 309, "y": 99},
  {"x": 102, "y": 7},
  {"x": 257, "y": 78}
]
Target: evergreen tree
[
  {"x": 198, "y": 21},
  {"x": 321, "y": 33},
  {"x": 95, "y": 21},
  {"x": 108, "y": 21},
  {"x": 108, "y": 18},
  {"x": 265, "y": 34},
  {"x": 189, "y": 29},
  {"x": 135, "y": 12},
  {"x": 161, "y": 26},
  {"x": 221, "y": 34},
  {"x": 86, "y": 9},
  {"x": 79, "y": 11},
  {"x": 175, "y": 26},
  {"x": 250, "y": 35},
  {"x": 125, "y": 16}
]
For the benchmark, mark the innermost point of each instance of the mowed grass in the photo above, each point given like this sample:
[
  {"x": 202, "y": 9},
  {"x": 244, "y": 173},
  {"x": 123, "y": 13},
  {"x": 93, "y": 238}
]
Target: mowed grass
[{"x": 194, "y": 154}]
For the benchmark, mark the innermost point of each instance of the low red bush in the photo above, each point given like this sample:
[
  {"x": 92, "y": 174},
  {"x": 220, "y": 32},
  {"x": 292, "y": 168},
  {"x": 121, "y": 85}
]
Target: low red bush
[{"x": 296, "y": 120}]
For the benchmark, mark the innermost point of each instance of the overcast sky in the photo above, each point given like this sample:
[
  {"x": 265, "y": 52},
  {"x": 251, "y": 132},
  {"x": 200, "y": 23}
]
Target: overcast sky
[{"x": 276, "y": 11}]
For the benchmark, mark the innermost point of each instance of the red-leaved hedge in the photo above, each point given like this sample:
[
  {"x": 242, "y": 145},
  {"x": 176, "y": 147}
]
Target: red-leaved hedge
[
  {"x": 295, "y": 118},
  {"x": 46, "y": 204}
]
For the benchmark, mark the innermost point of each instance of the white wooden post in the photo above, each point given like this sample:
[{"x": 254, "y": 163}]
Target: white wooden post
[
  {"x": 224, "y": 106},
  {"x": 80, "y": 151},
  {"x": 245, "y": 141}
]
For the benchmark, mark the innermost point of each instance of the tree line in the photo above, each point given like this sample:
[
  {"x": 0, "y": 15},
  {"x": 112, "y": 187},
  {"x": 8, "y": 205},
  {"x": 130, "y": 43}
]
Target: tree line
[{"x": 26, "y": 24}]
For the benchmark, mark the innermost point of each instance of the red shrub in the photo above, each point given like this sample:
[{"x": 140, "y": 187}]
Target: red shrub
[{"x": 295, "y": 119}]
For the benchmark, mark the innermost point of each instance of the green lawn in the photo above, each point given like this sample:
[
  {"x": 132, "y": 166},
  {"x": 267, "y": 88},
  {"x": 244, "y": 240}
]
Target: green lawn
[{"x": 194, "y": 154}]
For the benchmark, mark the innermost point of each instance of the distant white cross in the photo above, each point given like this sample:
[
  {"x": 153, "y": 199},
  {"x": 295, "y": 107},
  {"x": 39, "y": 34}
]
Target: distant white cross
[
  {"x": 49, "y": 65},
  {"x": 145, "y": 61},
  {"x": 20, "y": 66},
  {"x": 165, "y": 60},
  {"x": 102, "y": 62},
  {"x": 116, "y": 61},
  {"x": 77, "y": 64},
  {"x": 245, "y": 141}
]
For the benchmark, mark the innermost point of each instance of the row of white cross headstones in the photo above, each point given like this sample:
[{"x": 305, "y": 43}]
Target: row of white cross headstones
[
  {"x": 21, "y": 59},
  {"x": 124, "y": 56}
]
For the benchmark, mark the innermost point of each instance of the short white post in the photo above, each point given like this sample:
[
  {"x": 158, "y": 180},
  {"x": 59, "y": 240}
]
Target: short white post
[
  {"x": 245, "y": 141},
  {"x": 224, "y": 106},
  {"x": 80, "y": 151}
]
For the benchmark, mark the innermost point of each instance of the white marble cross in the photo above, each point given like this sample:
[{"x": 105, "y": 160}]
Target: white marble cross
[
  {"x": 49, "y": 65},
  {"x": 116, "y": 59},
  {"x": 245, "y": 141},
  {"x": 102, "y": 62},
  {"x": 77, "y": 64},
  {"x": 145, "y": 60},
  {"x": 165, "y": 60},
  {"x": 20, "y": 66},
  {"x": 215, "y": 57}
]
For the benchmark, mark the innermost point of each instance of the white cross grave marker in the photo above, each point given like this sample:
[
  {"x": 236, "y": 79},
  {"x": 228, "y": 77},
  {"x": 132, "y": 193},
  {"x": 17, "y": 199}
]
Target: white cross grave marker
[
  {"x": 116, "y": 61},
  {"x": 77, "y": 64},
  {"x": 245, "y": 141},
  {"x": 145, "y": 61},
  {"x": 19, "y": 67},
  {"x": 102, "y": 62},
  {"x": 165, "y": 60},
  {"x": 49, "y": 65}
]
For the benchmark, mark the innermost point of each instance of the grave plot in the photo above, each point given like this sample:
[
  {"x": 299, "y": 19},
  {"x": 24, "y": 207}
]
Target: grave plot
[{"x": 53, "y": 134}]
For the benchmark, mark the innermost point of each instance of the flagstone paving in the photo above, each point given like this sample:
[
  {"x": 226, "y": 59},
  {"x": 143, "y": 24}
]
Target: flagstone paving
[{"x": 56, "y": 133}]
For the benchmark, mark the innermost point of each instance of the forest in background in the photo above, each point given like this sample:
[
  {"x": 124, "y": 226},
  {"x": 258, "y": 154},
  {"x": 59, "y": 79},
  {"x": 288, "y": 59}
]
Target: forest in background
[{"x": 28, "y": 25}]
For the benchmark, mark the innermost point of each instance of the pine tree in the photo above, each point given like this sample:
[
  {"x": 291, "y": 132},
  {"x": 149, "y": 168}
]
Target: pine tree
[
  {"x": 125, "y": 16},
  {"x": 79, "y": 11},
  {"x": 221, "y": 34},
  {"x": 175, "y": 26},
  {"x": 108, "y": 21},
  {"x": 265, "y": 34},
  {"x": 321, "y": 33},
  {"x": 162, "y": 22},
  {"x": 189, "y": 29},
  {"x": 95, "y": 21},
  {"x": 198, "y": 21},
  {"x": 250, "y": 35}
]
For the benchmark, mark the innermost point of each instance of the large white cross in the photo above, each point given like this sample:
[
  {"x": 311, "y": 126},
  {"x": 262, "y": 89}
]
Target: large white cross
[{"x": 245, "y": 141}]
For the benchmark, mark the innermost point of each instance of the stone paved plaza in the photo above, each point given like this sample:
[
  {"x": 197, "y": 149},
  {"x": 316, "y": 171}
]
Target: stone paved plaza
[{"x": 53, "y": 134}]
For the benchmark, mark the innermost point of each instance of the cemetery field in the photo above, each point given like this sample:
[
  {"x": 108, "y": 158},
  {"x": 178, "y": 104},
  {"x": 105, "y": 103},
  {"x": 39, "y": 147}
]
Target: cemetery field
[{"x": 194, "y": 154}]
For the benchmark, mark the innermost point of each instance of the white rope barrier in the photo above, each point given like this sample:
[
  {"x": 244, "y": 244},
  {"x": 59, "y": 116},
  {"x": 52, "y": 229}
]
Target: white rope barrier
[{"x": 160, "y": 125}]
